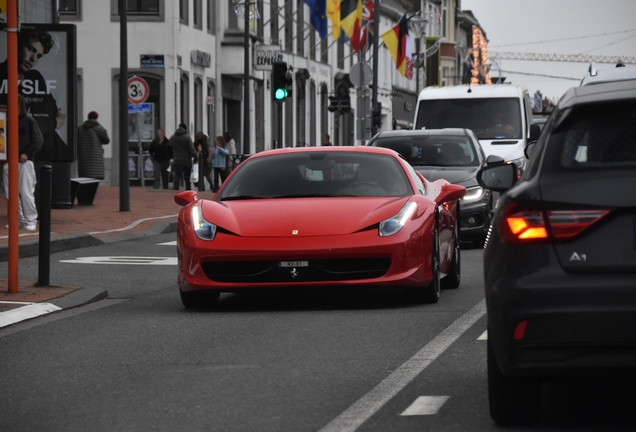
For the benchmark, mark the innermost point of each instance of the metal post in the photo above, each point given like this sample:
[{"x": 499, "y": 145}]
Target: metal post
[
  {"x": 124, "y": 186},
  {"x": 44, "y": 253},
  {"x": 376, "y": 36},
  {"x": 140, "y": 149},
  {"x": 202, "y": 160},
  {"x": 246, "y": 80},
  {"x": 12, "y": 141},
  {"x": 280, "y": 125}
]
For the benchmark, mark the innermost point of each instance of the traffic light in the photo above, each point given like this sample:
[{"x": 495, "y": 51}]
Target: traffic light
[
  {"x": 280, "y": 81},
  {"x": 376, "y": 115},
  {"x": 340, "y": 102}
]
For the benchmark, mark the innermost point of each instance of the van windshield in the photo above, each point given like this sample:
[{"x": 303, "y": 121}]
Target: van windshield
[{"x": 489, "y": 118}]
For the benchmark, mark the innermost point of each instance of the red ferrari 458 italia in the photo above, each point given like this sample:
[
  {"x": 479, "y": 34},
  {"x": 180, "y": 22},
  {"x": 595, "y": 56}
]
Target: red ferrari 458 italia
[{"x": 343, "y": 217}]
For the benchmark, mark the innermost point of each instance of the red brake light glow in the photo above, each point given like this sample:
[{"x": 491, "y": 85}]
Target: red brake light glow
[
  {"x": 520, "y": 330},
  {"x": 526, "y": 225}
]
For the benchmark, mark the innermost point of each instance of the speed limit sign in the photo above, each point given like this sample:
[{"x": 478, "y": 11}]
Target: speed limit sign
[{"x": 137, "y": 90}]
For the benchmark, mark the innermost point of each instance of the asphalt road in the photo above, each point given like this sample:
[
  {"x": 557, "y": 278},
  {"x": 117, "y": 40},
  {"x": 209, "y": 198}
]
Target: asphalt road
[{"x": 357, "y": 361}]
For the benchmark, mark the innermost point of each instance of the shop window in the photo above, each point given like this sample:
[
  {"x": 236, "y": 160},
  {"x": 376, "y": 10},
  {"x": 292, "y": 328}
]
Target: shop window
[
  {"x": 212, "y": 16},
  {"x": 197, "y": 10},
  {"x": 183, "y": 11},
  {"x": 139, "y": 10},
  {"x": 68, "y": 7}
]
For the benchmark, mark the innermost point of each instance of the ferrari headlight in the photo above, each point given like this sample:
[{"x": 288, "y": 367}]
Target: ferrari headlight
[
  {"x": 393, "y": 225},
  {"x": 202, "y": 228},
  {"x": 473, "y": 194}
]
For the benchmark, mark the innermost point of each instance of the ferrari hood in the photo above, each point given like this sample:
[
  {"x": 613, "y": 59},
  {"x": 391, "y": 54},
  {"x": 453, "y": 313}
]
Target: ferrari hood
[
  {"x": 460, "y": 176},
  {"x": 300, "y": 217}
]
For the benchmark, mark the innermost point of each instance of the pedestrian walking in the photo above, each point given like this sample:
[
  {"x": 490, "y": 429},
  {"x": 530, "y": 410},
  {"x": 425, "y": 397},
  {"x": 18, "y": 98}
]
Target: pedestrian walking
[
  {"x": 29, "y": 143},
  {"x": 231, "y": 147},
  {"x": 326, "y": 141},
  {"x": 182, "y": 153},
  {"x": 218, "y": 156},
  {"x": 91, "y": 136},
  {"x": 161, "y": 153}
]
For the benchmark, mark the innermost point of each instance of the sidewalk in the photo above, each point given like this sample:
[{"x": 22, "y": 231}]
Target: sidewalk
[{"x": 152, "y": 211}]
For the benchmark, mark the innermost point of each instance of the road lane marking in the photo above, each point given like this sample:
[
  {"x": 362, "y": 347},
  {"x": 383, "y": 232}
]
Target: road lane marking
[
  {"x": 28, "y": 311},
  {"x": 483, "y": 336},
  {"x": 170, "y": 243},
  {"x": 425, "y": 405},
  {"x": 354, "y": 416},
  {"x": 124, "y": 260}
]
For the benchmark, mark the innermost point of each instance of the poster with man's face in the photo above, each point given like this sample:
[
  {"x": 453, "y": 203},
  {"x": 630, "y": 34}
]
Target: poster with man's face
[{"x": 46, "y": 78}]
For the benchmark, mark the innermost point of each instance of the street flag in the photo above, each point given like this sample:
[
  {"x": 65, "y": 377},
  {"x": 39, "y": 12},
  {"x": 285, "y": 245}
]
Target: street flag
[
  {"x": 398, "y": 43},
  {"x": 351, "y": 21},
  {"x": 318, "y": 16},
  {"x": 366, "y": 36},
  {"x": 333, "y": 14}
]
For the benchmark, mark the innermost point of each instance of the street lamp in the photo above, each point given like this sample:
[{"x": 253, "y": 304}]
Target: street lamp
[{"x": 239, "y": 9}]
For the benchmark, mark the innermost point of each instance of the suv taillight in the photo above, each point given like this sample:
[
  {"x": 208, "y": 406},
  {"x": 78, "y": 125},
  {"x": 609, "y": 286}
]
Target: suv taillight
[{"x": 520, "y": 225}]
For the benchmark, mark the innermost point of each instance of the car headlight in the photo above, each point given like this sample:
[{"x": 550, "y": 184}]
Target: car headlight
[
  {"x": 202, "y": 228},
  {"x": 521, "y": 163},
  {"x": 474, "y": 193},
  {"x": 392, "y": 225}
]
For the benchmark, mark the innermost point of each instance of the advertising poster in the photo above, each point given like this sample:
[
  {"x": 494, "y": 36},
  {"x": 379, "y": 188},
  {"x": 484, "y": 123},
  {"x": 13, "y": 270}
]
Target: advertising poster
[
  {"x": 46, "y": 73},
  {"x": 133, "y": 167}
]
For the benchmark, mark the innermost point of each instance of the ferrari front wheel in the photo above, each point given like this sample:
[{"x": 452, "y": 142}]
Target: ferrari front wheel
[
  {"x": 199, "y": 299},
  {"x": 430, "y": 293},
  {"x": 453, "y": 277}
]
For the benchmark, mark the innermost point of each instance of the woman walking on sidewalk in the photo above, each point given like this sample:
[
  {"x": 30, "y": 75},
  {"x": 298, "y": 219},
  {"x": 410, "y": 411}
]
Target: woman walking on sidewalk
[{"x": 161, "y": 154}]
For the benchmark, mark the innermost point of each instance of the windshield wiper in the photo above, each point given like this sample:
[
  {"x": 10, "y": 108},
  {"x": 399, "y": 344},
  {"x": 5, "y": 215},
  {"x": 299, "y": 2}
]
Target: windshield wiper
[
  {"x": 313, "y": 195},
  {"x": 240, "y": 197}
]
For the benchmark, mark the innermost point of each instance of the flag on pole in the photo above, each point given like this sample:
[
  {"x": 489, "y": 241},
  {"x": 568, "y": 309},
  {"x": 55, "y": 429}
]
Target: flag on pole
[
  {"x": 333, "y": 14},
  {"x": 318, "y": 16},
  {"x": 366, "y": 36},
  {"x": 351, "y": 21},
  {"x": 398, "y": 43}
]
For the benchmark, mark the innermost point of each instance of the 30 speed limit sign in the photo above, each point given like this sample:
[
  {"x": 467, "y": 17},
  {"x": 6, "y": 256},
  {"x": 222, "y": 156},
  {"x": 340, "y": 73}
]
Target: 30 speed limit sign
[{"x": 137, "y": 90}]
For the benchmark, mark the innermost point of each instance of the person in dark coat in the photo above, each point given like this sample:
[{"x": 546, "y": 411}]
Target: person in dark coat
[
  {"x": 91, "y": 137},
  {"x": 161, "y": 153},
  {"x": 202, "y": 145},
  {"x": 182, "y": 153}
]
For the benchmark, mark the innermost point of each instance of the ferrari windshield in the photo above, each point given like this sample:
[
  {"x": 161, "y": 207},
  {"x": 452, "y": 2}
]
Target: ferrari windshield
[
  {"x": 434, "y": 150},
  {"x": 489, "y": 118},
  {"x": 317, "y": 174}
]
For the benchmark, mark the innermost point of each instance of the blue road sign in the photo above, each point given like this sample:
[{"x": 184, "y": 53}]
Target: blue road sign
[{"x": 139, "y": 108}]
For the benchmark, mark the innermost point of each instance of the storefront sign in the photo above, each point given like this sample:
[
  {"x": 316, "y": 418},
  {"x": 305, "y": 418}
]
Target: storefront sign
[
  {"x": 200, "y": 58},
  {"x": 265, "y": 55}
]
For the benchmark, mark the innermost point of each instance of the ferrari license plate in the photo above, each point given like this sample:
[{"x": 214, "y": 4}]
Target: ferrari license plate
[{"x": 293, "y": 264}]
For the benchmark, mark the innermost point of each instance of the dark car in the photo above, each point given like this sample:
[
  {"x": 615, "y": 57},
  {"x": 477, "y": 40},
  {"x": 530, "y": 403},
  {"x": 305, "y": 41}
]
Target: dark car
[
  {"x": 451, "y": 154},
  {"x": 560, "y": 261}
]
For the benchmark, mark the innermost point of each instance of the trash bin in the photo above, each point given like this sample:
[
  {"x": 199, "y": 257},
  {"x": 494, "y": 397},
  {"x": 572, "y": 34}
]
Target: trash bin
[{"x": 84, "y": 188}]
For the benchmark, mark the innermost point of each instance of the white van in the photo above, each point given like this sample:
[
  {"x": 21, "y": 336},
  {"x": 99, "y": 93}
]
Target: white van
[{"x": 499, "y": 114}]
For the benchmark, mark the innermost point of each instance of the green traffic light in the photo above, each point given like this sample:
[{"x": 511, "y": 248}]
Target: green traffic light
[{"x": 281, "y": 94}]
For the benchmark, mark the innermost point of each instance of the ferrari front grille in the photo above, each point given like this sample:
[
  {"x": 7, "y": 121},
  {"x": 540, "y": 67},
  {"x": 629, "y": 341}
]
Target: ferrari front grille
[{"x": 307, "y": 271}]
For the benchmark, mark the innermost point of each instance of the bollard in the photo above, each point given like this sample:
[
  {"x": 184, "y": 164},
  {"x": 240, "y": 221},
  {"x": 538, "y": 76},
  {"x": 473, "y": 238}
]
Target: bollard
[
  {"x": 44, "y": 256},
  {"x": 201, "y": 186}
]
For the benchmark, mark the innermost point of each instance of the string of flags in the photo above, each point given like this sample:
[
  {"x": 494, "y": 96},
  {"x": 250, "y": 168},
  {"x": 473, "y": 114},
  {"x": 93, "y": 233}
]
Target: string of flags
[{"x": 352, "y": 21}]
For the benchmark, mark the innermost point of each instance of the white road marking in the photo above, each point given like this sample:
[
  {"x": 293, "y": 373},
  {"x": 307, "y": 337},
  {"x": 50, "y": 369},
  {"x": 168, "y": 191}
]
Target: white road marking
[
  {"x": 134, "y": 224},
  {"x": 483, "y": 336},
  {"x": 170, "y": 243},
  {"x": 30, "y": 310},
  {"x": 370, "y": 403},
  {"x": 124, "y": 260},
  {"x": 425, "y": 405}
]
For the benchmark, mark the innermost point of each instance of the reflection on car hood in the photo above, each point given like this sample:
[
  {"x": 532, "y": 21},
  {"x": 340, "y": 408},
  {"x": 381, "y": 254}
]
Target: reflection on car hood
[
  {"x": 464, "y": 176},
  {"x": 307, "y": 216}
]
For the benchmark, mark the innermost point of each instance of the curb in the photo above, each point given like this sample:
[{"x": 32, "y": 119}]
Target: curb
[{"x": 30, "y": 248}]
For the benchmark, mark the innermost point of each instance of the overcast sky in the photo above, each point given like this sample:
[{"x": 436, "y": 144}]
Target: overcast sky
[{"x": 594, "y": 27}]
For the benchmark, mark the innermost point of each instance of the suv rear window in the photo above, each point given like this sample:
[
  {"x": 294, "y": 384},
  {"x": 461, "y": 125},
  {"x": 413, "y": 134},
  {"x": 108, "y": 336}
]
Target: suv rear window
[{"x": 601, "y": 136}]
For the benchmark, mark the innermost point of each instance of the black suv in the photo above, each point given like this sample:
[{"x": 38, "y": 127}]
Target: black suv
[{"x": 560, "y": 260}]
